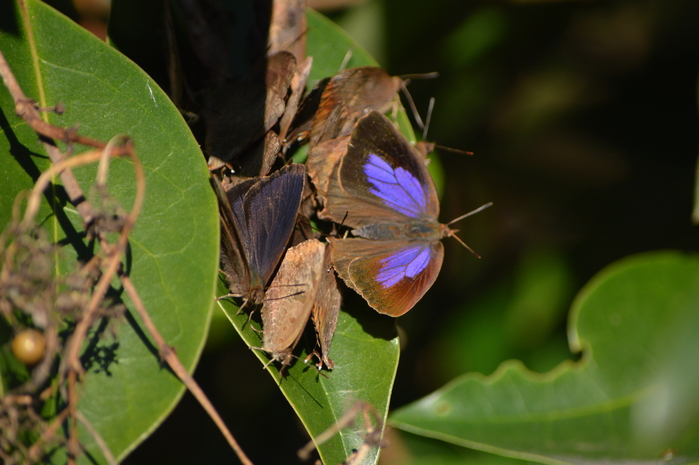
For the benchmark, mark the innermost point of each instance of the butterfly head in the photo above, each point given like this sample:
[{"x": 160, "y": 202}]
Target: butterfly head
[{"x": 256, "y": 296}]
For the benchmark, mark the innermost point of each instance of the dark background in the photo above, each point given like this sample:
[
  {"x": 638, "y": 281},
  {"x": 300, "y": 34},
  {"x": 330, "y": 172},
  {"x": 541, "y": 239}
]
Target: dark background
[{"x": 583, "y": 120}]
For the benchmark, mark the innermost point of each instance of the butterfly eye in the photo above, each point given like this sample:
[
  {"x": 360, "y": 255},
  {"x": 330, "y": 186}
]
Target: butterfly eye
[{"x": 29, "y": 346}]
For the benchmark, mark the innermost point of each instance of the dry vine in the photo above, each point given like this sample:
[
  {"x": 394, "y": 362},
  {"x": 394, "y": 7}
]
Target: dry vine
[{"x": 29, "y": 288}]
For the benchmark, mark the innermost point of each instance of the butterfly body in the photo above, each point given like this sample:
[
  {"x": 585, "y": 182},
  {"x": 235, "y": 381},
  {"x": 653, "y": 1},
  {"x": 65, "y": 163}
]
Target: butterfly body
[
  {"x": 379, "y": 186},
  {"x": 415, "y": 231}
]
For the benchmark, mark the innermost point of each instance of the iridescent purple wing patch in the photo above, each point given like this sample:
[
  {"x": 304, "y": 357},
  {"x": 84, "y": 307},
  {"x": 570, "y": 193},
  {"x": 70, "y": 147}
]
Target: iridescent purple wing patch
[
  {"x": 406, "y": 263},
  {"x": 397, "y": 188}
]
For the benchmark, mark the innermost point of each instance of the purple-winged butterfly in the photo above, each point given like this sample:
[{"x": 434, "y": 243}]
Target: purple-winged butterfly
[{"x": 380, "y": 187}]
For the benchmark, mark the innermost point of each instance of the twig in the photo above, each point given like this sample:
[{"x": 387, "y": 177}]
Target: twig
[
  {"x": 71, "y": 365},
  {"x": 372, "y": 438},
  {"x": 29, "y": 114},
  {"x": 98, "y": 439},
  {"x": 170, "y": 357},
  {"x": 73, "y": 447},
  {"x": 113, "y": 264},
  {"x": 35, "y": 198},
  {"x": 35, "y": 451}
]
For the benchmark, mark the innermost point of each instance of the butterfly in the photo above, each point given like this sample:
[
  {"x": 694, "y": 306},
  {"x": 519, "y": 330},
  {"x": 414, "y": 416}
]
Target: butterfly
[
  {"x": 348, "y": 95},
  {"x": 257, "y": 219},
  {"x": 380, "y": 187},
  {"x": 303, "y": 286}
]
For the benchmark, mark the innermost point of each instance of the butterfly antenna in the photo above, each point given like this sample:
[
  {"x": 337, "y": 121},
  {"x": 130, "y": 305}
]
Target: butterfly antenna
[
  {"x": 432, "y": 75},
  {"x": 347, "y": 58},
  {"x": 479, "y": 209},
  {"x": 294, "y": 293},
  {"x": 449, "y": 149},
  {"x": 453, "y": 234},
  {"x": 411, "y": 104},
  {"x": 428, "y": 118}
]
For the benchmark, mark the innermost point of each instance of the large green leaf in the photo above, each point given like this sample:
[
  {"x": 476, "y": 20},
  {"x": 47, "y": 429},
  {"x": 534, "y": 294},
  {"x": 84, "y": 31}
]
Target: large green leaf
[
  {"x": 632, "y": 396},
  {"x": 365, "y": 347},
  {"x": 173, "y": 248}
]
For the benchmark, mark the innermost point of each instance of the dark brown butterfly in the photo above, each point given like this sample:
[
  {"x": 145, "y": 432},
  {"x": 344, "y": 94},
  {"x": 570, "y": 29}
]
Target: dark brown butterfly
[
  {"x": 302, "y": 287},
  {"x": 348, "y": 95},
  {"x": 257, "y": 219}
]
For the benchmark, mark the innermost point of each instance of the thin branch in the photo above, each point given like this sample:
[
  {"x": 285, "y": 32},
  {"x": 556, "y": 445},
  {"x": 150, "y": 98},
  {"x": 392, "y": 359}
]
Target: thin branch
[
  {"x": 73, "y": 446},
  {"x": 170, "y": 357},
  {"x": 35, "y": 451},
  {"x": 30, "y": 114},
  {"x": 98, "y": 439},
  {"x": 35, "y": 198}
]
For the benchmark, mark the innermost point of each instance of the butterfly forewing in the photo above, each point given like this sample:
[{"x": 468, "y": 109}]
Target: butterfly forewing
[
  {"x": 263, "y": 213},
  {"x": 380, "y": 178},
  {"x": 270, "y": 210}
]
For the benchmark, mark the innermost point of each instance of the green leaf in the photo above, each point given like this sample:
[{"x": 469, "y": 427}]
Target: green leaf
[
  {"x": 427, "y": 451},
  {"x": 631, "y": 322},
  {"x": 173, "y": 257}
]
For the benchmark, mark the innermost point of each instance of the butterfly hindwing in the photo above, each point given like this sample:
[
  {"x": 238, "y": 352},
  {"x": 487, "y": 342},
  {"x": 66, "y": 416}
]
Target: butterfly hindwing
[{"x": 391, "y": 275}]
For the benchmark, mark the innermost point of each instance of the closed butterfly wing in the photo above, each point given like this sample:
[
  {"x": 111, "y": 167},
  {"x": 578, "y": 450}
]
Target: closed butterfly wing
[
  {"x": 290, "y": 299},
  {"x": 233, "y": 260},
  {"x": 264, "y": 212},
  {"x": 322, "y": 161},
  {"x": 326, "y": 308},
  {"x": 380, "y": 178},
  {"x": 347, "y": 96},
  {"x": 392, "y": 276}
]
